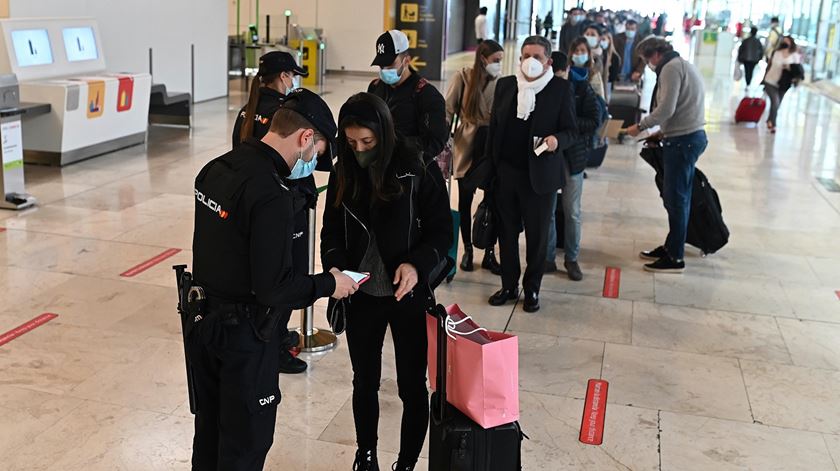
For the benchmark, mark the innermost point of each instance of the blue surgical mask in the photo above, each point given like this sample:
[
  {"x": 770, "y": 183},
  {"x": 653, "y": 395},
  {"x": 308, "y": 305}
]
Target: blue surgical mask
[
  {"x": 580, "y": 59},
  {"x": 390, "y": 76},
  {"x": 592, "y": 41},
  {"x": 630, "y": 34},
  {"x": 580, "y": 18},
  {"x": 604, "y": 44},
  {"x": 304, "y": 169}
]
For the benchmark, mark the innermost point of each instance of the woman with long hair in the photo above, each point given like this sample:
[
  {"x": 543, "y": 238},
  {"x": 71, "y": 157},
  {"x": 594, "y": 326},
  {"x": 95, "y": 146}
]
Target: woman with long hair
[
  {"x": 612, "y": 63},
  {"x": 277, "y": 77},
  {"x": 386, "y": 214},
  {"x": 581, "y": 57},
  {"x": 470, "y": 97},
  {"x": 783, "y": 71},
  {"x": 592, "y": 35}
]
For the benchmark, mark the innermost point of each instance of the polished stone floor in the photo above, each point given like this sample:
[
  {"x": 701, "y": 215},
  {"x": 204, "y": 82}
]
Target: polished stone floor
[{"x": 734, "y": 365}]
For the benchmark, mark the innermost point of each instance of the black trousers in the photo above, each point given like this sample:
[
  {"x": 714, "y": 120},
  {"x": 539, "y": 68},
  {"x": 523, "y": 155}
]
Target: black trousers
[
  {"x": 237, "y": 394},
  {"x": 369, "y": 318},
  {"x": 518, "y": 205},
  {"x": 466, "y": 192},
  {"x": 749, "y": 67}
]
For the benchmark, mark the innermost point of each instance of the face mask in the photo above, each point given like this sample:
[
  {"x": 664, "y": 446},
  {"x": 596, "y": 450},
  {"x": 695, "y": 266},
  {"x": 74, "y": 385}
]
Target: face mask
[
  {"x": 290, "y": 88},
  {"x": 580, "y": 59},
  {"x": 592, "y": 41},
  {"x": 390, "y": 76},
  {"x": 532, "y": 68},
  {"x": 304, "y": 169},
  {"x": 651, "y": 67},
  {"x": 494, "y": 69},
  {"x": 604, "y": 44},
  {"x": 580, "y": 18},
  {"x": 630, "y": 34},
  {"x": 366, "y": 157}
]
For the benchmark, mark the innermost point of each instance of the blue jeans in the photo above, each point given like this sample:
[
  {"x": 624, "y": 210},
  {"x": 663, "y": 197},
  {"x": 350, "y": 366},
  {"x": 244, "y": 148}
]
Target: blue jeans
[
  {"x": 680, "y": 155},
  {"x": 572, "y": 193}
]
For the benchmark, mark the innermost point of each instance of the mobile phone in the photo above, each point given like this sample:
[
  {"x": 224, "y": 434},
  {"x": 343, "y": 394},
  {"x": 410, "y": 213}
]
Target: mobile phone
[{"x": 358, "y": 278}]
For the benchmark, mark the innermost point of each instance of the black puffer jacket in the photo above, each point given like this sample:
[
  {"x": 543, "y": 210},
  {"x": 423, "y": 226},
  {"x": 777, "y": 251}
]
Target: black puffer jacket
[
  {"x": 588, "y": 121},
  {"x": 415, "y": 228}
]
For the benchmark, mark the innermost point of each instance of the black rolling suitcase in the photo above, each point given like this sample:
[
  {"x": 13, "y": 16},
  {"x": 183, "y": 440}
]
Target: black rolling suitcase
[
  {"x": 456, "y": 442},
  {"x": 706, "y": 229},
  {"x": 625, "y": 103}
]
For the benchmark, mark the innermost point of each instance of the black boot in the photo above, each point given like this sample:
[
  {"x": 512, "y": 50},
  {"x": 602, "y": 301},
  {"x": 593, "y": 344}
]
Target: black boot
[
  {"x": 365, "y": 461},
  {"x": 398, "y": 466},
  {"x": 490, "y": 263},
  {"x": 467, "y": 261}
]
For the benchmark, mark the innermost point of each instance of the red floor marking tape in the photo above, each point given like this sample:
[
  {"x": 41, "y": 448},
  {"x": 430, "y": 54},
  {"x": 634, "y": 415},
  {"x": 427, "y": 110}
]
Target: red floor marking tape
[
  {"x": 837, "y": 293},
  {"x": 133, "y": 271},
  {"x": 594, "y": 413},
  {"x": 26, "y": 327},
  {"x": 2, "y": 229},
  {"x": 612, "y": 282}
]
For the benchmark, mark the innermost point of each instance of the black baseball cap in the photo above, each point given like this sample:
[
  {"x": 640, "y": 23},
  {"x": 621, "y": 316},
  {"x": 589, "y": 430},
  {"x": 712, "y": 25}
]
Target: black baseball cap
[
  {"x": 276, "y": 62},
  {"x": 388, "y": 46},
  {"x": 312, "y": 107}
]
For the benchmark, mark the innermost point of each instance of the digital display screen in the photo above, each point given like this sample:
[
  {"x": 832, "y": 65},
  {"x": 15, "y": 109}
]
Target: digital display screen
[
  {"x": 32, "y": 47},
  {"x": 80, "y": 44}
]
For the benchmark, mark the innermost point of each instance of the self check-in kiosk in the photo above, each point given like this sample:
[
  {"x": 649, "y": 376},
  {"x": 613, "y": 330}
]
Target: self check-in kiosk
[{"x": 60, "y": 61}]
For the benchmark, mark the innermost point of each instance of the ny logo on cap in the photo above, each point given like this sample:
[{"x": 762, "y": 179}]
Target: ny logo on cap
[{"x": 380, "y": 48}]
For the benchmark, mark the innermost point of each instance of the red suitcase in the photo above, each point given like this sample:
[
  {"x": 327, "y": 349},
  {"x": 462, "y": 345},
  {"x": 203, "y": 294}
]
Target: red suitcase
[{"x": 750, "y": 110}]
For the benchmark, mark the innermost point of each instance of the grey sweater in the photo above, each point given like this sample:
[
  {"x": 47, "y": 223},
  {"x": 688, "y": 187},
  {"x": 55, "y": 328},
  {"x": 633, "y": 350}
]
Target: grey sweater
[{"x": 680, "y": 106}]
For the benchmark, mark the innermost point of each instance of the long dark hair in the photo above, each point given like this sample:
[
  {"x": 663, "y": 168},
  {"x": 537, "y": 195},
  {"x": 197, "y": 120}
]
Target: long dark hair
[
  {"x": 478, "y": 79},
  {"x": 590, "y": 64},
  {"x": 367, "y": 111},
  {"x": 247, "y": 129},
  {"x": 793, "y": 47}
]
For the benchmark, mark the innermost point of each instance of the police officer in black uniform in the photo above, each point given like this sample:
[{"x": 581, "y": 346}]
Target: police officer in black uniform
[
  {"x": 418, "y": 108},
  {"x": 276, "y": 78},
  {"x": 242, "y": 258}
]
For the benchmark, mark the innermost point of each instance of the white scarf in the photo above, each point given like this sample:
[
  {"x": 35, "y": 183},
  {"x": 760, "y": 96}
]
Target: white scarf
[{"x": 527, "y": 95}]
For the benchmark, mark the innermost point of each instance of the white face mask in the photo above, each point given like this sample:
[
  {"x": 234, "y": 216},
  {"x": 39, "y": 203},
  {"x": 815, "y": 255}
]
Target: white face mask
[
  {"x": 532, "y": 68},
  {"x": 494, "y": 69}
]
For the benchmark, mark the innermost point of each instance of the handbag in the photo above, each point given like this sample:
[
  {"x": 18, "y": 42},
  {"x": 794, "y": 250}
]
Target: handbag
[{"x": 484, "y": 233}]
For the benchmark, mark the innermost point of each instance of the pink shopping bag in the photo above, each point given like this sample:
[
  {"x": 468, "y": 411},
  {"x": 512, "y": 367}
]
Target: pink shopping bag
[{"x": 482, "y": 374}]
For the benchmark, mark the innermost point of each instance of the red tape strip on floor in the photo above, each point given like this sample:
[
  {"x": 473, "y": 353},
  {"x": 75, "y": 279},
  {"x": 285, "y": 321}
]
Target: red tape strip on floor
[
  {"x": 2, "y": 229},
  {"x": 612, "y": 282},
  {"x": 26, "y": 327},
  {"x": 837, "y": 293},
  {"x": 134, "y": 271},
  {"x": 594, "y": 413}
]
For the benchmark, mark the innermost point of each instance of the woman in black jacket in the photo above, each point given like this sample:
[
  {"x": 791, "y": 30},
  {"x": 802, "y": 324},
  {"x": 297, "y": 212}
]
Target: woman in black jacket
[
  {"x": 387, "y": 213},
  {"x": 588, "y": 121}
]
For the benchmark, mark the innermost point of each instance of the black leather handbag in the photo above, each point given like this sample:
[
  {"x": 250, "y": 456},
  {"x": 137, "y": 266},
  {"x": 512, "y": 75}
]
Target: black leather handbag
[{"x": 484, "y": 232}]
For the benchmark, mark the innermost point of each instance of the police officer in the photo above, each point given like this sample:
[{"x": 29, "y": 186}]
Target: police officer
[
  {"x": 418, "y": 108},
  {"x": 242, "y": 258},
  {"x": 276, "y": 78}
]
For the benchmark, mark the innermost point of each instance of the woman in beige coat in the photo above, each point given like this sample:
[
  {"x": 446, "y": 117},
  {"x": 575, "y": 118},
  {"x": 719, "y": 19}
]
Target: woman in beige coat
[{"x": 470, "y": 98}]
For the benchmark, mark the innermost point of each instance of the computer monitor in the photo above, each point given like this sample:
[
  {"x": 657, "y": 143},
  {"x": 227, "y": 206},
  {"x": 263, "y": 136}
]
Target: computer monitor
[
  {"x": 32, "y": 47},
  {"x": 80, "y": 44}
]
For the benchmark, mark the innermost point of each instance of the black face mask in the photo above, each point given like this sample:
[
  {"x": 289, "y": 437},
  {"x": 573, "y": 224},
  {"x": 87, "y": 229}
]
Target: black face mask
[{"x": 784, "y": 46}]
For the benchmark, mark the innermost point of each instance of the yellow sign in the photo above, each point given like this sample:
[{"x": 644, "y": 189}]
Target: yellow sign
[
  {"x": 96, "y": 98},
  {"x": 417, "y": 63},
  {"x": 409, "y": 13},
  {"x": 412, "y": 37}
]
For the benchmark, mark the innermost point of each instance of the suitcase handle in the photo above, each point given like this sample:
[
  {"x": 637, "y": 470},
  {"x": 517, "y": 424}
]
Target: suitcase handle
[{"x": 440, "y": 316}]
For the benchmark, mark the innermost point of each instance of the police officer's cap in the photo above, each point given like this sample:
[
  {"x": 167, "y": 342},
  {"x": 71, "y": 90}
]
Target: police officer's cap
[
  {"x": 312, "y": 107},
  {"x": 388, "y": 46},
  {"x": 276, "y": 62}
]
